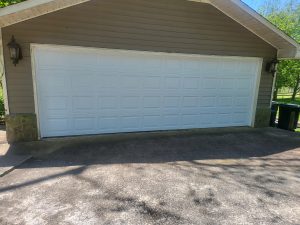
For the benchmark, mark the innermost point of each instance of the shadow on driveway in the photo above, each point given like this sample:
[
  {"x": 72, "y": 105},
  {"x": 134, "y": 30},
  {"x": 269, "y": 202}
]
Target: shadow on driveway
[
  {"x": 235, "y": 176},
  {"x": 193, "y": 147},
  {"x": 163, "y": 147}
]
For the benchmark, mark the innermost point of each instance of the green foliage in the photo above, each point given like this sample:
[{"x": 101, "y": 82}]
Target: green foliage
[
  {"x": 4, "y": 3},
  {"x": 287, "y": 19},
  {"x": 2, "y": 110},
  {"x": 288, "y": 71},
  {"x": 289, "y": 100}
]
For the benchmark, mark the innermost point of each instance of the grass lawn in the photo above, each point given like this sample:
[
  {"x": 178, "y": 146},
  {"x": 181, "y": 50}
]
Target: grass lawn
[{"x": 287, "y": 99}]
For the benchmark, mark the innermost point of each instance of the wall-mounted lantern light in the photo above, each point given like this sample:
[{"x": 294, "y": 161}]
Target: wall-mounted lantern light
[
  {"x": 14, "y": 51},
  {"x": 272, "y": 66}
]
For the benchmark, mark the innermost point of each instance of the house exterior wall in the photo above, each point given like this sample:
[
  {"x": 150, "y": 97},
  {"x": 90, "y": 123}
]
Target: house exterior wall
[{"x": 159, "y": 25}]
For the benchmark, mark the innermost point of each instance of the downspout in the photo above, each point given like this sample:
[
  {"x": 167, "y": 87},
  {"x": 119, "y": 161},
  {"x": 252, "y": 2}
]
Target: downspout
[
  {"x": 2, "y": 71},
  {"x": 274, "y": 81},
  {"x": 273, "y": 88}
]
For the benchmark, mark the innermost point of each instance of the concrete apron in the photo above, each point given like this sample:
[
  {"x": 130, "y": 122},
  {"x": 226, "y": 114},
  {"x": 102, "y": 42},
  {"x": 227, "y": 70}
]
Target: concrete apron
[
  {"x": 48, "y": 145},
  {"x": 13, "y": 155},
  {"x": 9, "y": 159}
]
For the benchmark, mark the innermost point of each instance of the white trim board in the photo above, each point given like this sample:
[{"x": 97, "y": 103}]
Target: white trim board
[
  {"x": 75, "y": 49},
  {"x": 83, "y": 48},
  {"x": 256, "y": 91},
  {"x": 4, "y": 84},
  {"x": 36, "y": 108}
]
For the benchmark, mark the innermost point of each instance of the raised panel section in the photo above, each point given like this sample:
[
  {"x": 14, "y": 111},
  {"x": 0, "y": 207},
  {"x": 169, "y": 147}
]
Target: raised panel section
[{"x": 127, "y": 91}]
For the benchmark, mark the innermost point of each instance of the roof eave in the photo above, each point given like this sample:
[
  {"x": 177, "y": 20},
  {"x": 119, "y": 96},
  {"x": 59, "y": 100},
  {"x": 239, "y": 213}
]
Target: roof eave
[
  {"x": 257, "y": 24},
  {"x": 288, "y": 53},
  {"x": 297, "y": 54},
  {"x": 32, "y": 8}
]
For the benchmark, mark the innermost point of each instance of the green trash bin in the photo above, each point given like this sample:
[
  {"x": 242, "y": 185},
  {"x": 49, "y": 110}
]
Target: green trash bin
[{"x": 288, "y": 116}]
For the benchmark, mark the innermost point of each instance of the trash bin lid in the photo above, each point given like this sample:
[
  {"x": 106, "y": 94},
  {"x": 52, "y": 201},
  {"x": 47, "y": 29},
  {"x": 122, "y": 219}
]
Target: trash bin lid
[{"x": 291, "y": 106}]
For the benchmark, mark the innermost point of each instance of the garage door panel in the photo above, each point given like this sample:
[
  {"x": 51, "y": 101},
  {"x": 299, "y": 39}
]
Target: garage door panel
[
  {"x": 58, "y": 124},
  {"x": 171, "y": 101},
  {"x": 86, "y": 103},
  {"x": 105, "y": 80},
  {"x": 151, "y": 121},
  {"x": 189, "y": 111},
  {"x": 189, "y": 120},
  {"x": 57, "y": 114},
  {"x": 153, "y": 82},
  {"x": 56, "y": 103},
  {"x": 107, "y": 123},
  {"x": 241, "y": 101},
  {"x": 130, "y": 82},
  {"x": 171, "y": 111},
  {"x": 171, "y": 121},
  {"x": 225, "y": 101},
  {"x": 130, "y": 122},
  {"x": 130, "y": 102},
  {"x": 191, "y": 83},
  {"x": 243, "y": 83},
  {"x": 224, "y": 110},
  {"x": 239, "y": 118},
  {"x": 84, "y": 91},
  {"x": 240, "y": 110},
  {"x": 207, "y": 101},
  {"x": 190, "y": 101},
  {"x": 172, "y": 82},
  {"x": 85, "y": 123},
  {"x": 229, "y": 83},
  {"x": 151, "y": 102},
  {"x": 108, "y": 102},
  {"x": 224, "y": 118},
  {"x": 207, "y": 119},
  {"x": 54, "y": 80}
]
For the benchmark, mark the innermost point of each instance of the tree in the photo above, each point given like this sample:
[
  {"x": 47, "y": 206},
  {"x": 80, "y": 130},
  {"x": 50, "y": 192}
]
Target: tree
[
  {"x": 287, "y": 18},
  {"x": 289, "y": 75}
]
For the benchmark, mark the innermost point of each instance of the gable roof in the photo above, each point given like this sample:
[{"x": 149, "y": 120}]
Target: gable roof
[
  {"x": 253, "y": 21},
  {"x": 236, "y": 9}
]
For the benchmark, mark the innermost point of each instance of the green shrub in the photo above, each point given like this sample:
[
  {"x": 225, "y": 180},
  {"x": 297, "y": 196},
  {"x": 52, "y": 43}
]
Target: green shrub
[
  {"x": 2, "y": 109},
  {"x": 4, "y": 3},
  {"x": 1, "y": 104}
]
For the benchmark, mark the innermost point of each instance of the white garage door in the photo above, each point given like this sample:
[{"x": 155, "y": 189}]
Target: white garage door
[{"x": 92, "y": 91}]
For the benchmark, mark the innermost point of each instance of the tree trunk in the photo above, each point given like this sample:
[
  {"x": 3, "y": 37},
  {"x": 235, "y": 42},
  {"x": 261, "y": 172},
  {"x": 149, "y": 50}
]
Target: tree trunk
[{"x": 296, "y": 88}]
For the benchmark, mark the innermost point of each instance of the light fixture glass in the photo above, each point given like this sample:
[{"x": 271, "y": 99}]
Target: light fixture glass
[
  {"x": 14, "y": 51},
  {"x": 272, "y": 66}
]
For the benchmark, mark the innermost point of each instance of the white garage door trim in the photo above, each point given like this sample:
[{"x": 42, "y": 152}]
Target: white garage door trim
[{"x": 33, "y": 47}]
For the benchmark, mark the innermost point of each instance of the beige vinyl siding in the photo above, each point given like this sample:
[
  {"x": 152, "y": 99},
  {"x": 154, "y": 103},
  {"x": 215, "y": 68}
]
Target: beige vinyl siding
[{"x": 159, "y": 25}]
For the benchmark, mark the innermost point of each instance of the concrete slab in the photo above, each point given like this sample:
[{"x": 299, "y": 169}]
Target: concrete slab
[
  {"x": 9, "y": 159},
  {"x": 2, "y": 134},
  {"x": 190, "y": 178}
]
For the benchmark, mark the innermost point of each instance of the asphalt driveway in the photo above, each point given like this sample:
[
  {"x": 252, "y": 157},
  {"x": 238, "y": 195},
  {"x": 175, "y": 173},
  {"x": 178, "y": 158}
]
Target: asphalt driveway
[{"x": 242, "y": 176}]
